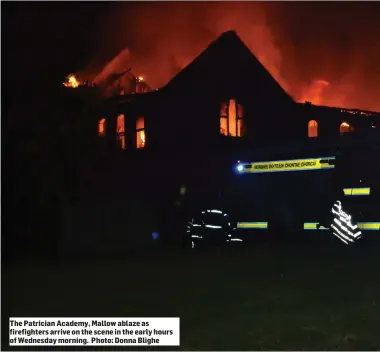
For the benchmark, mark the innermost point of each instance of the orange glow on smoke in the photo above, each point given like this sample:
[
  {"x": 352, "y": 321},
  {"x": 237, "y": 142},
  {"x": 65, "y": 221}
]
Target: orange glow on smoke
[
  {"x": 339, "y": 77},
  {"x": 314, "y": 93}
]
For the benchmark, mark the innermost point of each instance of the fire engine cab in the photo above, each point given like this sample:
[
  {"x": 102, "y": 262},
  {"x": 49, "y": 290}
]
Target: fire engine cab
[{"x": 299, "y": 189}]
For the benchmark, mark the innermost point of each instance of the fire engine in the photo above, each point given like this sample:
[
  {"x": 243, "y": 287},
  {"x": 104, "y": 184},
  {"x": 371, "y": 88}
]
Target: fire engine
[{"x": 318, "y": 186}]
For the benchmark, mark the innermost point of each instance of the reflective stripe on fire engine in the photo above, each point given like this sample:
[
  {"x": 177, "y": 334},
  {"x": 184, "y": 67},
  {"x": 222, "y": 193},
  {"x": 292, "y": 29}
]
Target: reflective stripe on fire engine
[
  {"x": 289, "y": 165},
  {"x": 252, "y": 225},
  {"x": 313, "y": 226},
  {"x": 374, "y": 226},
  {"x": 362, "y": 191}
]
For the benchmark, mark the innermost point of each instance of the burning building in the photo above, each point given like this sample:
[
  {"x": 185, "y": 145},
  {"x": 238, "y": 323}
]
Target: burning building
[
  {"x": 222, "y": 104},
  {"x": 224, "y": 95}
]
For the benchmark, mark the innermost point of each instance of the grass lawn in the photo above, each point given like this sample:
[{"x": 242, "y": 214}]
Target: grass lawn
[{"x": 269, "y": 297}]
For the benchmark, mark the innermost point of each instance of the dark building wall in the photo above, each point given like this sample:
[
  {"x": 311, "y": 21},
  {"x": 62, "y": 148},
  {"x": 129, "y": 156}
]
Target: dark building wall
[
  {"x": 191, "y": 120},
  {"x": 330, "y": 119}
]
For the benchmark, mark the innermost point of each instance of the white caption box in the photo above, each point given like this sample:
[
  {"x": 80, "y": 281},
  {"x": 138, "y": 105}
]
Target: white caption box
[{"x": 94, "y": 331}]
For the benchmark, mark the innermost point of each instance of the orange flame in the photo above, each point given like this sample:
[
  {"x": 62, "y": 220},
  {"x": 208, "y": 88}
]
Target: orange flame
[
  {"x": 71, "y": 81},
  {"x": 314, "y": 93}
]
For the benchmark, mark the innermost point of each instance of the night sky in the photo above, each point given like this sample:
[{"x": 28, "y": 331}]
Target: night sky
[
  {"x": 298, "y": 42},
  {"x": 42, "y": 42}
]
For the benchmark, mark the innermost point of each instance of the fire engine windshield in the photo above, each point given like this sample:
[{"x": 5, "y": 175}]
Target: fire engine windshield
[{"x": 215, "y": 219}]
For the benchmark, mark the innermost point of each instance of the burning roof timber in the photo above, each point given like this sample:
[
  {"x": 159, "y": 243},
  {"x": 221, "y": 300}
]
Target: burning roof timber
[
  {"x": 116, "y": 84},
  {"x": 354, "y": 112}
]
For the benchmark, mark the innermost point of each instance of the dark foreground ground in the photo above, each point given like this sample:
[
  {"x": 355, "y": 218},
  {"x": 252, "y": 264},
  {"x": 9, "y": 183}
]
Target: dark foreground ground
[{"x": 271, "y": 297}]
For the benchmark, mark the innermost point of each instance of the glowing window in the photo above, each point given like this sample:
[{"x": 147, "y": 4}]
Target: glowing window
[
  {"x": 231, "y": 119},
  {"x": 224, "y": 119},
  {"x": 120, "y": 131},
  {"x": 140, "y": 132},
  {"x": 345, "y": 127},
  {"x": 102, "y": 127},
  {"x": 224, "y": 126},
  {"x": 232, "y": 128},
  {"x": 312, "y": 129}
]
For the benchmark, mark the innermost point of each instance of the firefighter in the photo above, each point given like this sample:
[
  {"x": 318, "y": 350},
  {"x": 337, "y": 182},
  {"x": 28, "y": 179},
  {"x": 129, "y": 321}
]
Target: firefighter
[{"x": 325, "y": 216}]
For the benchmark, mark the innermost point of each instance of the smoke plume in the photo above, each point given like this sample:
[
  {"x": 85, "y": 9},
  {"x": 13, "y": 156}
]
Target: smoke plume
[{"x": 301, "y": 45}]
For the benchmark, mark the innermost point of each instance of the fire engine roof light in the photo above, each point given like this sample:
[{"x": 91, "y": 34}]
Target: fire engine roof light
[
  {"x": 240, "y": 168},
  {"x": 155, "y": 236}
]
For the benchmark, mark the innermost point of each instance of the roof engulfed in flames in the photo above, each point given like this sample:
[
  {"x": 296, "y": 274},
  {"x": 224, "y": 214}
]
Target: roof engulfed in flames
[{"x": 113, "y": 79}]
